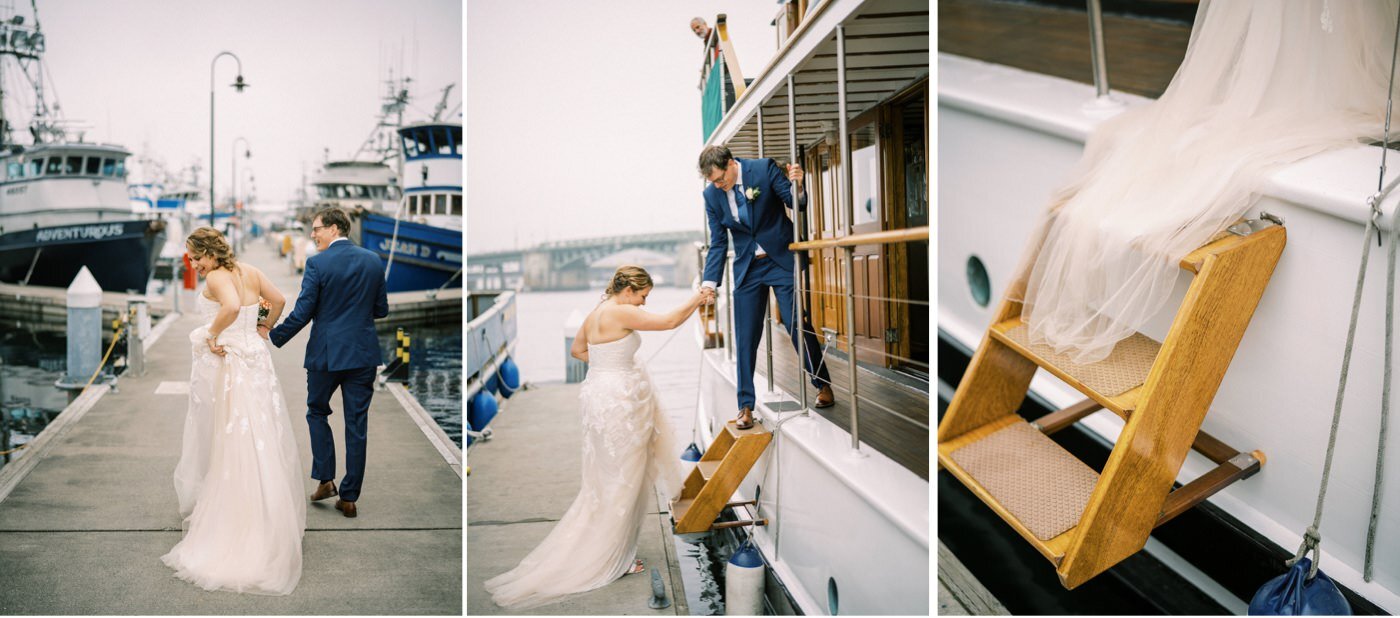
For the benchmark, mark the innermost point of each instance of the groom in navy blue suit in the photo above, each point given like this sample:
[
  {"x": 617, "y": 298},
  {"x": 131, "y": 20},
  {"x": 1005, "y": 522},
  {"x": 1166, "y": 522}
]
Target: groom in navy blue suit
[
  {"x": 342, "y": 293},
  {"x": 746, "y": 198}
]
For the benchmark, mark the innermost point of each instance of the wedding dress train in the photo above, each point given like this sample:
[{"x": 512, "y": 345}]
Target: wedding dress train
[
  {"x": 627, "y": 447},
  {"x": 1263, "y": 84},
  {"x": 239, "y": 480}
]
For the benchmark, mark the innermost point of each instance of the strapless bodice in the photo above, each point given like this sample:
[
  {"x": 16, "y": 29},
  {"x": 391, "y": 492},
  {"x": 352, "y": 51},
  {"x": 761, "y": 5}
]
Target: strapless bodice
[
  {"x": 243, "y": 333},
  {"x": 619, "y": 355}
]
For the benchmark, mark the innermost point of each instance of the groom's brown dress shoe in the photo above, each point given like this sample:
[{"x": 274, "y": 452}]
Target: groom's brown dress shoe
[
  {"x": 825, "y": 398},
  {"x": 324, "y": 490},
  {"x": 745, "y": 418},
  {"x": 348, "y": 508}
]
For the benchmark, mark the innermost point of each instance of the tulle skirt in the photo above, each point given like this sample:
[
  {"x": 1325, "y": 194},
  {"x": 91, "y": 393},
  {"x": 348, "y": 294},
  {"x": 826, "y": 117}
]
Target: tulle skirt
[
  {"x": 628, "y": 449},
  {"x": 239, "y": 479},
  {"x": 1263, "y": 84}
]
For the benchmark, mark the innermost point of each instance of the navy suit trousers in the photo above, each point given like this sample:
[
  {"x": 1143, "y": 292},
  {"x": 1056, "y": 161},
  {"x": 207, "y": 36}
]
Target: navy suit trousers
[
  {"x": 750, "y": 303},
  {"x": 356, "y": 388}
]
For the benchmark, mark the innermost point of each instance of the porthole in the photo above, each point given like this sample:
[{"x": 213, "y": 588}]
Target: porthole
[
  {"x": 978, "y": 281},
  {"x": 832, "y": 604}
]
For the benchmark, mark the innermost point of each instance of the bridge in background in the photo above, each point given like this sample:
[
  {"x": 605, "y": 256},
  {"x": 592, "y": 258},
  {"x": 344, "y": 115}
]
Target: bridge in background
[{"x": 671, "y": 257}]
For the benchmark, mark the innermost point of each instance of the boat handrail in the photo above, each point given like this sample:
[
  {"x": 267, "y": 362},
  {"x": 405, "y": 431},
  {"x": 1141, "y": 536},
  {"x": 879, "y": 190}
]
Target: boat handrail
[{"x": 884, "y": 237}]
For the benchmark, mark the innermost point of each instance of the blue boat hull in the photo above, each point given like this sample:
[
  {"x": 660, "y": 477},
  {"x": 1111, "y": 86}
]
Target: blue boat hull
[
  {"x": 120, "y": 254},
  {"x": 426, "y": 257}
]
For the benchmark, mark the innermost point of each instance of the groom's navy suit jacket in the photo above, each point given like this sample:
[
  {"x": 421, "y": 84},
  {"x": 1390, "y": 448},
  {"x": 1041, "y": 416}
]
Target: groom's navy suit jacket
[
  {"x": 342, "y": 293},
  {"x": 762, "y": 221}
]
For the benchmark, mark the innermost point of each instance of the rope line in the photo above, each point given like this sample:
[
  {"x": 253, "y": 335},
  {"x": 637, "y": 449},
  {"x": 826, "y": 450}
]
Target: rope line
[{"x": 1312, "y": 538}]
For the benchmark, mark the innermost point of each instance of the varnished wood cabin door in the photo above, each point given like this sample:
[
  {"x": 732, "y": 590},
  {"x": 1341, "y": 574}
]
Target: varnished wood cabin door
[{"x": 869, "y": 212}]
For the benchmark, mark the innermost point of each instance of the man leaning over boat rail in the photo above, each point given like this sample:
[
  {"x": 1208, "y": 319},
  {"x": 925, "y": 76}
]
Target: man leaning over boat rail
[{"x": 747, "y": 198}]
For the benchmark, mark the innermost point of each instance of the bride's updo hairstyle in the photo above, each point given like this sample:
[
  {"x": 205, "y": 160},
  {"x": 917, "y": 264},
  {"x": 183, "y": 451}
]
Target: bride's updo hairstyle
[
  {"x": 207, "y": 241},
  {"x": 634, "y": 277}
]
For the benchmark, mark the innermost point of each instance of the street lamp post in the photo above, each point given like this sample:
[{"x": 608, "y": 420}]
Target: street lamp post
[
  {"x": 233, "y": 159},
  {"x": 238, "y": 86}
]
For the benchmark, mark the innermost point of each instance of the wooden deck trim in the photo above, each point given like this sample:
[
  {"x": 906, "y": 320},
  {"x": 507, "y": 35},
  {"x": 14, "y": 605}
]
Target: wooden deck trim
[{"x": 901, "y": 441}]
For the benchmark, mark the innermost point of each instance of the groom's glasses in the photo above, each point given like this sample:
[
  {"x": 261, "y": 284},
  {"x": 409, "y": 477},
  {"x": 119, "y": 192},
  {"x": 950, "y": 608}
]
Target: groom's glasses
[{"x": 317, "y": 228}]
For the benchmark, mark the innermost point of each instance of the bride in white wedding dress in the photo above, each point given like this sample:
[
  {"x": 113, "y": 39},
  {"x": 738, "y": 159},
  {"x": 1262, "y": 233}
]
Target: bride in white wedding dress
[
  {"x": 239, "y": 480},
  {"x": 627, "y": 447}
]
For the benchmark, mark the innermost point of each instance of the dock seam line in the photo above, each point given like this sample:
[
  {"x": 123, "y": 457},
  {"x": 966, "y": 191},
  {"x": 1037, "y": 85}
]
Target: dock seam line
[
  {"x": 431, "y": 430},
  {"x": 159, "y": 329},
  {"x": 13, "y": 473}
]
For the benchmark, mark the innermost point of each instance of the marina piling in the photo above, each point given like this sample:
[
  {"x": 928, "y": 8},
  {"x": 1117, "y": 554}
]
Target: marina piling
[{"x": 84, "y": 330}]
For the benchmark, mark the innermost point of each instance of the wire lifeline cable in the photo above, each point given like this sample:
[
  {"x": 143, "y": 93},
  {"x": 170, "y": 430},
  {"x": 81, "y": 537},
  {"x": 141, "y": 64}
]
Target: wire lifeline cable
[{"x": 1312, "y": 537}]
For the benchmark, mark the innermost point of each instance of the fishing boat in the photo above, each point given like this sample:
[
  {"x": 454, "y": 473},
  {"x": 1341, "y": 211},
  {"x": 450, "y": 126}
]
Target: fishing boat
[
  {"x": 421, "y": 240},
  {"x": 1013, "y": 120},
  {"x": 836, "y": 500},
  {"x": 63, "y": 201}
]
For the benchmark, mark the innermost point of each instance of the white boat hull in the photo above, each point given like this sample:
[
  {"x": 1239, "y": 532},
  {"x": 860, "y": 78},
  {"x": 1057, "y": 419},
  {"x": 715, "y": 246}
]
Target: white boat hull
[
  {"x": 860, "y": 520},
  {"x": 1007, "y": 139}
]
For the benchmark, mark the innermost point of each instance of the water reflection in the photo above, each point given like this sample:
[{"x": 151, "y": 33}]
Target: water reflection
[
  {"x": 435, "y": 373},
  {"x": 29, "y": 401}
]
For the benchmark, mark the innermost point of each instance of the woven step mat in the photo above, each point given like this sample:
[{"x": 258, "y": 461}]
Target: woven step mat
[
  {"x": 1125, "y": 368},
  {"x": 1041, "y": 484}
]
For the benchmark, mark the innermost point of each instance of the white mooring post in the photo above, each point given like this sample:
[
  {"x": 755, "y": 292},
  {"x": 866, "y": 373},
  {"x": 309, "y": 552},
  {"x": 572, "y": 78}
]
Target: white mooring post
[
  {"x": 84, "y": 330},
  {"x": 136, "y": 334}
]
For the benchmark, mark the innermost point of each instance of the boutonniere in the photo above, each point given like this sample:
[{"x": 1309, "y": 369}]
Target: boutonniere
[{"x": 751, "y": 193}]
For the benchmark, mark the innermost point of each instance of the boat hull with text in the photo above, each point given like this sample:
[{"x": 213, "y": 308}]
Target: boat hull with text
[
  {"x": 424, "y": 257},
  {"x": 121, "y": 254}
]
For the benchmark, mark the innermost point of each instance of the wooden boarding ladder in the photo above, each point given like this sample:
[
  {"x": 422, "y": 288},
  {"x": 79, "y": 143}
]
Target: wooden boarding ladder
[
  {"x": 718, "y": 473},
  {"x": 1086, "y": 522}
]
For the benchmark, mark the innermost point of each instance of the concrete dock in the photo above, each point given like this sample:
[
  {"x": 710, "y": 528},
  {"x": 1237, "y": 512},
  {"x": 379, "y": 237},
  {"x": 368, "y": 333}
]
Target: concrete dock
[
  {"x": 87, "y": 512},
  {"x": 522, "y": 481}
]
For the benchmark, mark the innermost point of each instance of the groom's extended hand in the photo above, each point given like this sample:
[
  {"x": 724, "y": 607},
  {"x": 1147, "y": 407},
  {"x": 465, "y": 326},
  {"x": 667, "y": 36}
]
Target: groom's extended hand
[{"x": 709, "y": 294}]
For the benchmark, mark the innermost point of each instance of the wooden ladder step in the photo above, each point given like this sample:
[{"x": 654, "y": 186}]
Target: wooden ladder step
[
  {"x": 724, "y": 466},
  {"x": 1115, "y": 382},
  {"x": 1026, "y": 478},
  {"x": 707, "y": 469}
]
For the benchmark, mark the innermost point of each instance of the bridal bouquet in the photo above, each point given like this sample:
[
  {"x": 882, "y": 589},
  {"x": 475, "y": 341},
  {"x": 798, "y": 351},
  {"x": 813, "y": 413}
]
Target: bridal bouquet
[{"x": 264, "y": 308}]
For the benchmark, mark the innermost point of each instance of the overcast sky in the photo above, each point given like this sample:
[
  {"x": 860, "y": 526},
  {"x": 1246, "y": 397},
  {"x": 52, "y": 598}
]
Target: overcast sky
[
  {"x": 137, "y": 73},
  {"x": 584, "y": 118}
]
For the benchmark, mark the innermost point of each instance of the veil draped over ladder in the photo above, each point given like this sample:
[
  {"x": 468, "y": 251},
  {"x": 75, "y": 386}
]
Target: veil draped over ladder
[{"x": 1263, "y": 84}]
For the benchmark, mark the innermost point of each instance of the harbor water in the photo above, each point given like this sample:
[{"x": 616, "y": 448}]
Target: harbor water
[
  {"x": 434, "y": 372},
  {"x": 30, "y": 363}
]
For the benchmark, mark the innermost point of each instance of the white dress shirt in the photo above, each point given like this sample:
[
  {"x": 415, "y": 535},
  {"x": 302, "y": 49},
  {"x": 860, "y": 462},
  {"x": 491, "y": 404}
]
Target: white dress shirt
[{"x": 734, "y": 210}]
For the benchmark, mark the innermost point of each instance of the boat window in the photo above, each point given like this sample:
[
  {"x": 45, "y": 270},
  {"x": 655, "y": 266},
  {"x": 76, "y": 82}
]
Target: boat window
[
  {"x": 94, "y": 166},
  {"x": 440, "y": 204},
  {"x": 109, "y": 167},
  {"x": 36, "y": 167},
  {"x": 865, "y": 175},
  {"x": 55, "y": 165},
  {"x": 456, "y": 204},
  {"x": 74, "y": 166},
  {"x": 426, "y": 136},
  {"x": 121, "y": 169},
  {"x": 443, "y": 140},
  {"x": 14, "y": 170},
  {"x": 456, "y": 134}
]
